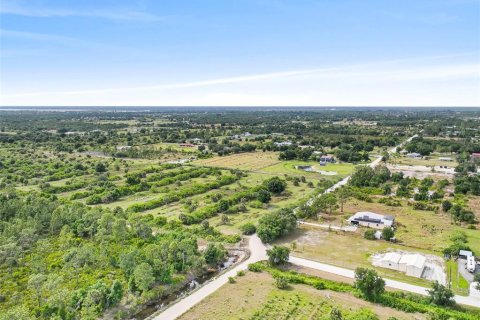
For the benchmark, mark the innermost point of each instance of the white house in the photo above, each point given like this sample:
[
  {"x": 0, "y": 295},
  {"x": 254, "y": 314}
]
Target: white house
[
  {"x": 414, "y": 155},
  {"x": 371, "y": 220},
  {"x": 412, "y": 264},
  {"x": 283, "y": 143}
]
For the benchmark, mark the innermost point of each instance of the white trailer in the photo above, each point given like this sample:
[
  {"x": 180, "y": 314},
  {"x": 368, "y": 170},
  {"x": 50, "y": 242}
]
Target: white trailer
[{"x": 471, "y": 264}]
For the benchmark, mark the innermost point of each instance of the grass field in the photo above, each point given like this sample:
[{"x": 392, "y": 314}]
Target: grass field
[
  {"x": 254, "y": 296},
  {"x": 250, "y": 161},
  {"x": 348, "y": 250},
  {"x": 415, "y": 228},
  {"x": 288, "y": 167},
  {"x": 459, "y": 284}
]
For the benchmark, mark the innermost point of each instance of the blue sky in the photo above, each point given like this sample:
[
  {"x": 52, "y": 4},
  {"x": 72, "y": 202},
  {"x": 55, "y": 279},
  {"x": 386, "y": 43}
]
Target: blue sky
[{"x": 240, "y": 52}]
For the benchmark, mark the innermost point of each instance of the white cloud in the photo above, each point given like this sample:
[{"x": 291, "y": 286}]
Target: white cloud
[{"x": 410, "y": 82}]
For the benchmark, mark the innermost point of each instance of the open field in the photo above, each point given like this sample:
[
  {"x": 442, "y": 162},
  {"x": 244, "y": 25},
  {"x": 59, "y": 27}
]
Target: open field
[
  {"x": 288, "y": 167},
  {"x": 251, "y": 161},
  {"x": 415, "y": 228},
  {"x": 254, "y": 296},
  {"x": 344, "y": 250},
  {"x": 432, "y": 161}
]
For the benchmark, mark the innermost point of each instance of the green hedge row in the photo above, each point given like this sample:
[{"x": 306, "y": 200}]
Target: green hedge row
[
  {"x": 113, "y": 194},
  {"x": 193, "y": 189},
  {"x": 221, "y": 206}
]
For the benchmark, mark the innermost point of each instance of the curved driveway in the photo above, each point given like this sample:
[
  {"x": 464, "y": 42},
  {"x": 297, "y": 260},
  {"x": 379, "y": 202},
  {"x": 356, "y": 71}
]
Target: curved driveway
[{"x": 257, "y": 253}]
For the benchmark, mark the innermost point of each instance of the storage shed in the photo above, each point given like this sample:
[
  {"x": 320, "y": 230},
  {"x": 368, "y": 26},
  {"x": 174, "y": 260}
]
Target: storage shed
[
  {"x": 391, "y": 260},
  {"x": 412, "y": 264}
]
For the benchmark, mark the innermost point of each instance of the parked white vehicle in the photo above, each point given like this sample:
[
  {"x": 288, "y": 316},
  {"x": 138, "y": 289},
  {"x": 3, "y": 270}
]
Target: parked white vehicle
[{"x": 471, "y": 264}]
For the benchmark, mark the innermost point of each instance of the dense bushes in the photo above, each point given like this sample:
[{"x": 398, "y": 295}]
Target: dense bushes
[
  {"x": 365, "y": 176},
  {"x": 192, "y": 189},
  {"x": 276, "y": 224},
  {"x": 74, "y": 262},
  {"x": 223, "y": 205}
]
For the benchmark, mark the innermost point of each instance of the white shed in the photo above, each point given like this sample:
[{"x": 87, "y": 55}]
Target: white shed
[
  {"x": 412, "y": 264},
  {"x": 390, "y": 260}
]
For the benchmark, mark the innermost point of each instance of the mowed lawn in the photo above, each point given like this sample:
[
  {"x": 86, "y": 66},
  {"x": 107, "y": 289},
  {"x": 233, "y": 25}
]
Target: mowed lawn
[
  {"x": 250, "y": 161},
  {"x": 288, "y": 167},
  {"x": 255, "y": 295}
]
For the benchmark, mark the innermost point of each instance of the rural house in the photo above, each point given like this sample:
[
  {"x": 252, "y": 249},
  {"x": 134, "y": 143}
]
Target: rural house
[{"x": 371, "y": 220}]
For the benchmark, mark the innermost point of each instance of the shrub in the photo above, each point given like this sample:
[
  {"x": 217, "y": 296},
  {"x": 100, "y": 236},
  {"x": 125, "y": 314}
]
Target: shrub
[
  {"x": 278, "y": 255},
  {"x": 248, "y": 228},
  {"x": 387, "y": 233},
  {"x": 275, "y": 224},
  {"x": 255, "y": 267},
  {"x": 281, "y": 282},
  {"x": 369, "y": 283},
  {"x": 440, "y": 295},
  {"x": 275, "y": 185},
  {"x": 369, "y": 234}
]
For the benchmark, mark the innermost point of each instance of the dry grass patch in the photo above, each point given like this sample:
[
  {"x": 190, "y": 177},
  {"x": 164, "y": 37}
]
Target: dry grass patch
[
  {"x": 256, "y": 292},
  {"x": 251, "y": 161}
]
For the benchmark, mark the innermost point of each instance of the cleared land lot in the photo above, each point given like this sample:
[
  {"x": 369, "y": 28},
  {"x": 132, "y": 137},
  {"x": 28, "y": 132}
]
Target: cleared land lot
[
  {"x": 268, "y": 163},
  {"x": 344, "y": 250},
  {"x": 288, "y": 167},
  {"x": 254, "y": 296},
  {"x": 250, "y": 161},
  {"x": 432, "y": 161}
]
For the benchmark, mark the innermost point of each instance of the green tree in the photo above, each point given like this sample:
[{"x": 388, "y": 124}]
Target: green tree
[
  {"x": 100, "y": 167},
  {"x": 370, "y": 284},
  {"x": 116, "y": 293},
  {"x": 143, "y": 275},
  {"x": 214, "y": 254},
  {"x": 276, "y": 224},
  {"x": 275, "y": 185},
  {"x": 369, "y": 234},
  {"x": 441, "y": 295},
  {"x": 326, "y": 201},
  {"x": 387, "y": 233},
  {"x": 36, "y": 282},
  {"x": 278, "y": 255},
  {"x": 248, "y": 228},
  {"x": 344, "y": 194},
  {"x": 263, "y": 196}
]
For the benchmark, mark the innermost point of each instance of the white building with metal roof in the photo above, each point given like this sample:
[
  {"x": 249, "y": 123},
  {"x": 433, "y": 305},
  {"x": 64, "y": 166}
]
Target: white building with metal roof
[
  {"x": 412, "y": 264},
  {"x": 372, "y": 220}
]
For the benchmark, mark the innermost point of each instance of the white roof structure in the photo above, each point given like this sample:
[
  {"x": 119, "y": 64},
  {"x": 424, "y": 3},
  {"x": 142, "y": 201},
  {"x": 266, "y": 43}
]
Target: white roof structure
[
  {"x": 392, "y": 257},
  {"x": 415, "y": 260},
  {"x": 465, "y": 253},
  {"x": 372, "y": 217}
]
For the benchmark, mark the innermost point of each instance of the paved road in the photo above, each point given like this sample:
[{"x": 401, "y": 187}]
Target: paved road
[
  {"x": 470, "y": 301},
  {"x": 257, "y": 253}
]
